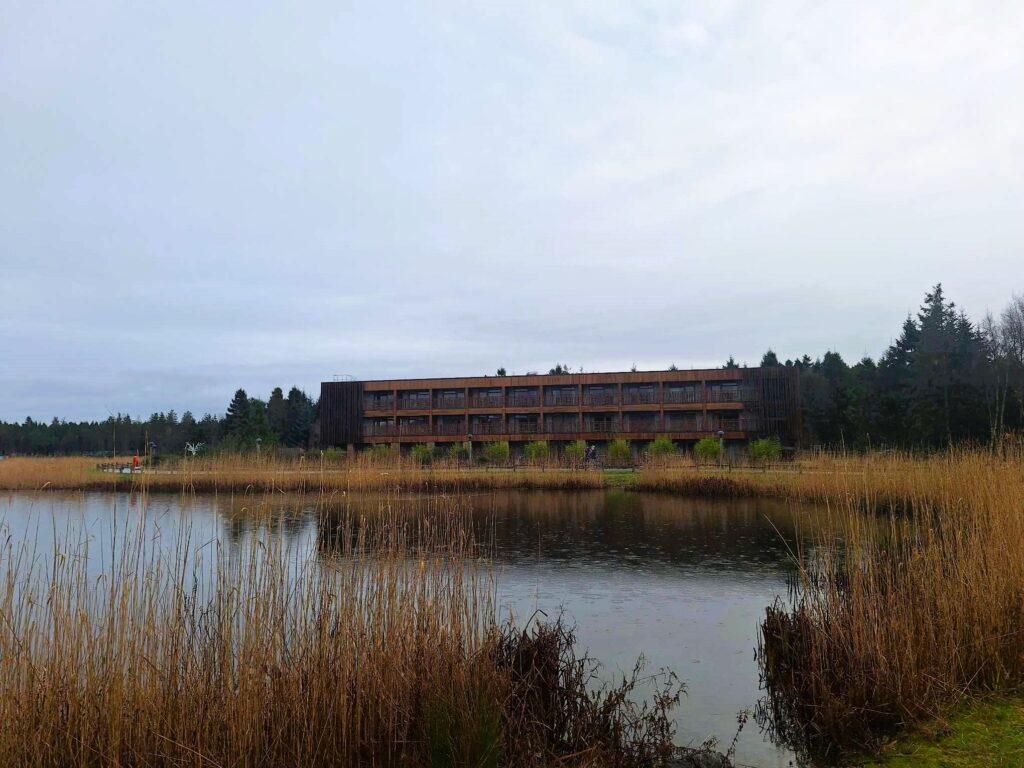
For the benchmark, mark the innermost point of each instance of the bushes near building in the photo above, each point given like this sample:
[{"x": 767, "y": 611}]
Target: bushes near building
[
  {"x": 422, "y": 453},
  {"x": 619, "y": 453},
  {"x": 765, "y": 449},
  {"x": 661, "y": 448},
  {"x": 458, "y": 452},
  {"x": 497, "y": 453},
  {"x": 708, "y": 449},
  {"x": 538, "y": 451},
  {"x": 575, "y": 452}
]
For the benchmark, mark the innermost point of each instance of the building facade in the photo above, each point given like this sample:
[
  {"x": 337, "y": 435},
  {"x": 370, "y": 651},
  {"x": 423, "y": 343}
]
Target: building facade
[{"x": 737, "y": 404}]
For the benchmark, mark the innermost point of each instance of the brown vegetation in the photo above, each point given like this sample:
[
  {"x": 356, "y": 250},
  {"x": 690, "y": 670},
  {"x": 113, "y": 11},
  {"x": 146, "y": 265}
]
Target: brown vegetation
[
  {"x": 385, "y": 653},
  {"x": 902, "y": 613}
]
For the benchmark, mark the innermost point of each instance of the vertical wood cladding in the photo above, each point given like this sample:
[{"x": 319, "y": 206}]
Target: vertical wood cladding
[
  {"x": 341, "y": 412},
  {"x": 774, "y": 395}
]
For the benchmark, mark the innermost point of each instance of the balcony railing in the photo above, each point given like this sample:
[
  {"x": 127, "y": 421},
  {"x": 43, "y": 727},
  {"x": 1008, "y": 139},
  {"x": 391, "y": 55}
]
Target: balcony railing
[
  {"x": 378, "y": 403},
  {"x": 410, "y": 404},
  {"x": 628, "y": 423},
  {"x": 640, "y": 397},
  {"x": 684, "y": 425},
  {"x": 600, "y": 397},
  {"x": 648, "y": 424},
  {"x": 604, "y": 425},
  {"x": 556, "y": 399},
  {"x": 523, "y": 399},
  {"x": 730, "y": 395},
  {"x": 486, "y": 400},
  {"x": 562, "y": 426},
  {"x": 516, "y": 427},
  {"x": 682, "y": 395},
  {"x": 406, "y": 430},
  {"x": 487, "y": 428},
  {"x": 449, "y": 401},
  {"x": 449, "y": 428}
]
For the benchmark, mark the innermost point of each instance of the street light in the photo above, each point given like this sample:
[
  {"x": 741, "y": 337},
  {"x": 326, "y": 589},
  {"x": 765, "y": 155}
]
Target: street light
[
  {"x": 258, "y": 441},
  {"x": 469, "y": 444}
]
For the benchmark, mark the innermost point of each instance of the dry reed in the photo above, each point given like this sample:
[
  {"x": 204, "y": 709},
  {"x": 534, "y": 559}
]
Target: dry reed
[
  {"x": 125, "y": 652},
  {"x": 900, "y": 614}
]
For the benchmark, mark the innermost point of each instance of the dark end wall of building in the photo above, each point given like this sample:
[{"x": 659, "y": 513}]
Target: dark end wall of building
[{"x": 341, "y": 412}]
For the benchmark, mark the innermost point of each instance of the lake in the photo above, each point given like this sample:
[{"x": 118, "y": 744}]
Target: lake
[{"x": 682, "y": 581}]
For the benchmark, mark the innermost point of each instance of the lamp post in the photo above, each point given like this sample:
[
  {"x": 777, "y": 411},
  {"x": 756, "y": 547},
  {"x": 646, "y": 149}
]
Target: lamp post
[
  {"x": 721, "y": 446},
  {"x": 469, "y": 445},
  {"x": 258, "y": 441}
]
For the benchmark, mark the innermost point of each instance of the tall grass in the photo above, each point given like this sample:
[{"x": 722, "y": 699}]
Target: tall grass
[
  {"x": 125, "y": 651},
  {"x": 314, "y": 475},
  {"x": 900, "y": 613}
]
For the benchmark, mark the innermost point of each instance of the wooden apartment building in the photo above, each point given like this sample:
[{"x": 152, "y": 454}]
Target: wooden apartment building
[{"x": 736, "y": 404}]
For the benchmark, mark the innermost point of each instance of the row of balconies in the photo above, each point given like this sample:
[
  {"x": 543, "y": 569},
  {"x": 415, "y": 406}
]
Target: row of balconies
[
  {"x": 558, "y": 424},
  {"x": 554, "y": 397}
]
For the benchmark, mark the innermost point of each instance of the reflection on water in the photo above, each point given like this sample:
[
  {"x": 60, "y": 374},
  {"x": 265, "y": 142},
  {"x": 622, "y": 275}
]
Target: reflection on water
[{"x": 684, "y": 582}]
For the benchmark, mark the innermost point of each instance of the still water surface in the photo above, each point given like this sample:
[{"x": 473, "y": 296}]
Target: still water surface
[{"x": 683, "y": 582}]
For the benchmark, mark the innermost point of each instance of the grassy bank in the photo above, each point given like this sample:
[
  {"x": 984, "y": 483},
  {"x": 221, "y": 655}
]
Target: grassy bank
[
  {"x": 985, "y": 734},
  {"x": 385, "y": 653}
]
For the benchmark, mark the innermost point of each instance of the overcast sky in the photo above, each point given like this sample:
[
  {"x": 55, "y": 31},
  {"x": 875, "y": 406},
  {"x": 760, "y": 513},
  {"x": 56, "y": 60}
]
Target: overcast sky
[{"x": 200, "y": 196}]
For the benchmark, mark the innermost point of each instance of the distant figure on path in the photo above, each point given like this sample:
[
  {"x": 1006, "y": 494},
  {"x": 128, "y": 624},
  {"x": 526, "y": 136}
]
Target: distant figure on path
[{"x": 135, "y": 463}]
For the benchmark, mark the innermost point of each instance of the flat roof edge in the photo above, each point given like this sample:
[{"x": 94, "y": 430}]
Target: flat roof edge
[{"x": 531, "y": 376}]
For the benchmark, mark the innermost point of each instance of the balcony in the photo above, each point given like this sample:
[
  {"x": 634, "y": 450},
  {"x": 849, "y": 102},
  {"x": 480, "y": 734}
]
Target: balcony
[
  {"x": 378, "y": 430},
  {"x": 378, "y": 402},
  {"x": 413, "y": 428},
  {"x": 495, "y": 427},
  {"x": 562, "y": 425},
  {"x": 523, "y": 400},
  {"x": 602, "y": 425},
  {"x": 600, "y": 397},
  {"x": 724, "y": 395},
  {"x": 486, "y": 400},
  {"x": 641, "y": 423},
  {"x": 523, "y": 426},
  {"x": 415, "y": 401},
  {"x": 693, "y": 423},
  {"x": 640, "y": 397},
  {"x": 452, "y": 427},
  {"x": 454, "y": 401},
  {"x": 559, "y": 398},
  {"x": 679, "y": 395}
]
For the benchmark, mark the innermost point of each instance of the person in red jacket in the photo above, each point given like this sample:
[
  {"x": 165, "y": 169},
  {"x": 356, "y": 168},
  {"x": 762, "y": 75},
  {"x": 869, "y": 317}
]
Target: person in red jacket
[{"x": 135, "y": 463}]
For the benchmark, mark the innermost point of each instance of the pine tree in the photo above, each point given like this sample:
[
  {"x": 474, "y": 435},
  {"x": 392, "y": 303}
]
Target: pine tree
[
  {"x": 277, "y": 413},
  {"x": 300, "y": 418},
  {"x": 237, "y": 418}
]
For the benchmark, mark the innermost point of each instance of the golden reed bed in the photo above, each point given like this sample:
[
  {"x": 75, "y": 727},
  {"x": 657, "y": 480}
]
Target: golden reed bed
[
  {"x": 874, "y": 479},
  {"x": 910, "y": 599},
  {"x": 387, "y": 652}
]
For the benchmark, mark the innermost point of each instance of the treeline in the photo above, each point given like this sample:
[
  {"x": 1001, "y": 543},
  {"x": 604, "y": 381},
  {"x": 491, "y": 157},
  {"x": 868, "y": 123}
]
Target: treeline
[
  {"x": 945, "y": 380},
  {"x": 249, "y": 422}
]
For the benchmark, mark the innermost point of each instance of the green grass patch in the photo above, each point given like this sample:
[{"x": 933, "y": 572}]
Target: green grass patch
[
  {"x": 987, "y": 734},
  {"x": 619, "y": 478}
]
